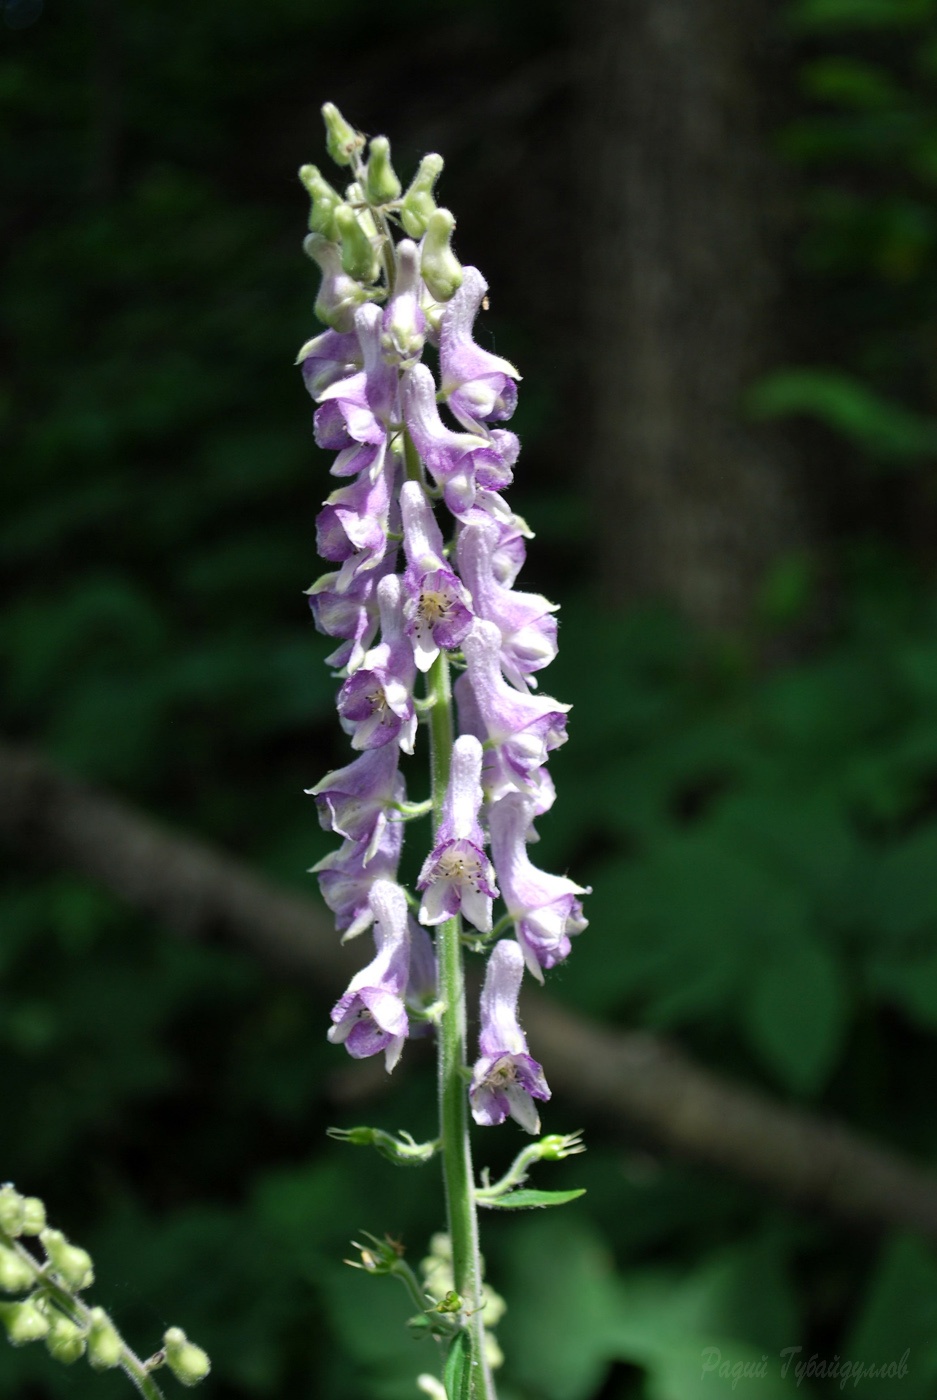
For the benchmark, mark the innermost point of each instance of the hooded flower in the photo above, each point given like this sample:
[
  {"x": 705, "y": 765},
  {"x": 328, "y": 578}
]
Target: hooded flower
[
  {"x": 347, "y": 875},
  {"x": 353, "y": 801},
  {"x": 326, "y": 358},
  {"x": 523, "y": 727},
  {"x": 457, "y": 874},
  {"x": 356, "y": 411},
  {"x": 376, "y": 702},
  {"x": 460, "y": 463},
  {"x": 528, "y": 630},
  {"x": 545, "y": 908},
  {"x": 505, "y": 1079},
  {"x": 350, "y": 613},
  {"x": 371, "y": 1016},
  {"x": 437, "y": 607},
  {"x": 351, "y": 528},
  {"x": 476, "y": 385}
]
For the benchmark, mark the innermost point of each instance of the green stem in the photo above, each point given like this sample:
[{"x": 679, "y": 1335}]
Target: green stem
[
  {"x": 73, "y": 1307},
  {"x": 452, "y": 1064}
]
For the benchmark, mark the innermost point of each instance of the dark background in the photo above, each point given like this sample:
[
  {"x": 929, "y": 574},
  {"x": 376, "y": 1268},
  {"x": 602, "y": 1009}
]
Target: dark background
[{"x": 710, "y": 231}]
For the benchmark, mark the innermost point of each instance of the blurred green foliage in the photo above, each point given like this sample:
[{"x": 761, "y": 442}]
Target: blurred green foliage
[{"x": 762, "y": 840}]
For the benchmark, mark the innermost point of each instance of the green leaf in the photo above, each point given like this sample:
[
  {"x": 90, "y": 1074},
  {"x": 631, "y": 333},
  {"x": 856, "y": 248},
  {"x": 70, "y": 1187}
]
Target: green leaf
[
  {"x": 457, "y": 1373},
  {"x": 849, "y": 407},
  {"x": 796, "y": 1014},
  {"x": 527, "y": 1200}
]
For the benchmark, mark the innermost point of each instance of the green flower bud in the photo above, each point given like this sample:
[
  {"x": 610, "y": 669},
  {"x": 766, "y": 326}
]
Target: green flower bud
[
  {"x": 359, "y": 256},
  {"x": 382, "y": 184},
  {"x": 15, "y": 1274},
  {"x": 34, "y": 1215},
  {"x": 24, "y": 1322},
  {"x": 104, "y": 1342},
  {"x": 418, "y": 202},
  {"x": 65, "y": 1340},
  {"x": 339, "y": 294},
  {"x": 72, "y": 1263},
  {"x": 325, "y": 200},
  {"x": 441, "y": 269},
  {"x": 341, "y": 139},
  {"x": 188, "y": 1363},
  {"x": 11, "y": 1210}
]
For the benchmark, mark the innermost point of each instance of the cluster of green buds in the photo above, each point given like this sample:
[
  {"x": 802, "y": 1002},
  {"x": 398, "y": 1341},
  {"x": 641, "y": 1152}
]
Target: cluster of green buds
[
  {"x": 349, "y": 237},
  {"x": 49, "y": 1307}
]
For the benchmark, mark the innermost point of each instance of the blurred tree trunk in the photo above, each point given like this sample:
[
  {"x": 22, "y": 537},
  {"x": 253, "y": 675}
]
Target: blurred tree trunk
[{"x": 681, "y": 278}]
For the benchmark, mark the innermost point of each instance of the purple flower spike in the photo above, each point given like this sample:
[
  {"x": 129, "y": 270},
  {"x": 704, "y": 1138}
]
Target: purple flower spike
[
  {"x": 524, "y": 727},
  {"x": 506, "y": 1079},
  {"x": 437, "y": 607},
  {"x": 347, "y": 875},
  {"x": 545, "y": 908},
  {"x": 460, "y": 463},
  {"x": 528, "y": 631},
  {"x": 476, "y": 384},
  {"x": 326, "y": 358},
  {"x": 371, "y": 1016},
  {"x": 353, "y": 801},
  {"x": 376, "y": 702},
  {"x": 457, "y": 874},
  {"x": 403, "y": 328}
]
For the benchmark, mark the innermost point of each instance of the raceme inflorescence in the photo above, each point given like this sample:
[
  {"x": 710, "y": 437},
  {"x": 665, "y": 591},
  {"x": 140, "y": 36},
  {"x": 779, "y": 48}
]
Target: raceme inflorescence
[{"x": 424, "y": 551}]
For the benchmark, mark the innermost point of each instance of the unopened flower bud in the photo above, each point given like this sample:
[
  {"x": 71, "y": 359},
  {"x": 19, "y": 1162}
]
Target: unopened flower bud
[
  {"x": 188, "y": 1363},
  {"x": 34, "y": 1215},
  {"x": 325, "y": 201},
  {"x": 339, "y": 294},
  {"x": 403, "y": 329},
  {"x": 418, "y": 202},
  {"x": 11, "y": 1210},
  {"x": 71, "y": 1262},
  {"x": 382, "y": 184},
  {"x": 15, "y": 1274},
  {"x": 441, "y": 269},
  {"x": 341, "y": 139},
  {"x": 65, "y": 1340},
  {"x": 24, "y": 1322},
  {"x": 359, "y": 256},
  {"x": 104, "y": 1342}
]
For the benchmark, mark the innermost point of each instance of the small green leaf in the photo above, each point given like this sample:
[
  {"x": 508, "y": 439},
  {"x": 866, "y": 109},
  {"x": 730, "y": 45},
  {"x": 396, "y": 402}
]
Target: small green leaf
[
  {"x": 527, "y": 1200},
  {"x": 457, "y": 1373}
]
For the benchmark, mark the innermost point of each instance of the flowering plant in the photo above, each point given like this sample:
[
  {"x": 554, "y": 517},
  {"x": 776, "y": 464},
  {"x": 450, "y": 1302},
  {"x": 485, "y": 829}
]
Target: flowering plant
[{"x": 429, "y": 488}]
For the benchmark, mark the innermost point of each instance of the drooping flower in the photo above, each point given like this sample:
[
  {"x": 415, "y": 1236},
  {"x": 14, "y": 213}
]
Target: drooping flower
[
  {"x": 350, "y": 613},
  {"x": 437, "y": 607},
  {"x": 352, "y": 527},
  {"x": 376, "y": 702},
  {"x": 546, "y": 909},
  {"x": 457, "y": 874},
  {"x": 371, "y": 1016},
  {"x": 346, "y": 877},
  {"x": 354, "y": 801},
  {"x": 476, "y": 384},
  {"x": 523, "y": 727},
  {"x": 525, "y": 621},
  {"x": 460, "y": 463},
  {"x": 506, "y": 1079}
]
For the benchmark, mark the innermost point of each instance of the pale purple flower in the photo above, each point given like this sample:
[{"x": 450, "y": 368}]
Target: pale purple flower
[
  {"x": 347, "y": 875},
  {"x": 339, "y": 295},
  {"x": 328, "y": 357},
  {"x": 523, "y": 727},
  {"x": 403, "y": 327},
  {"x": 351, "y": 612},
  {"x": 355, "y": 412},
  {"x": 437, "y": 607},
  {"x": 460, "y": 463},
  {"x": 354, "y": 801},
  {"x": 528, "y": 631},
  {"x": 457, "y": 874},
  {"x": 351, "y": 528},
  {"x": 423, "y": 986},
  {"x": 371, "y": 1016},
  {"x": 545, "y": 909},
  {"x": 376, "y": 702},
  {"x": 505, "y": 1079},
  {"x": 476, "y": 384}
]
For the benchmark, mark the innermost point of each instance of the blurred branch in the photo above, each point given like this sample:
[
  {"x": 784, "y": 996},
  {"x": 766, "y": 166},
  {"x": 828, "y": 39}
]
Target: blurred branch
[{"x": 635, "y": 1078}]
